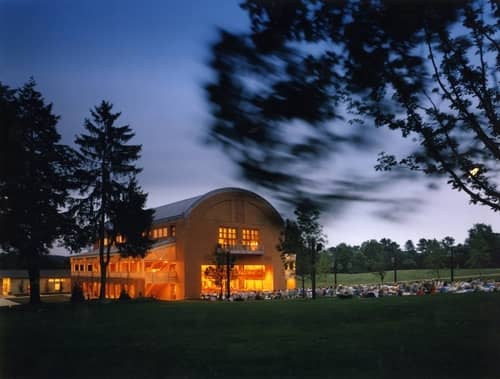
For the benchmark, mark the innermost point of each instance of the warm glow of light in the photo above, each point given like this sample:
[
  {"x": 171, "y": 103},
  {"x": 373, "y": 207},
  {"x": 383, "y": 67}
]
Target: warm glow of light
[
  {"x": 243, "y": 278},
  {"x": 250, "y": 239},
  {"x": 291, "y": 284},
  {"x": 227, "y": 237},
  {"x": 474, "y": 171}
]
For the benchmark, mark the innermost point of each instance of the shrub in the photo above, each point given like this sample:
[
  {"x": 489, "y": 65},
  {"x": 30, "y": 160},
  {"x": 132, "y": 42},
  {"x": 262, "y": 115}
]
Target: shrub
[
  {"x": 124, "y": 295},
  {"x": 77, "y": 294}
]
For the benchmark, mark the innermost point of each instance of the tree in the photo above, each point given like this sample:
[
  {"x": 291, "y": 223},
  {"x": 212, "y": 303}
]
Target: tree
[
  {"x": 375, "y": 258},
  {"x": 392, "y": 253},
  {"x": 325, "y": 263},
  {"x": 311, "y": 234},
  {"x": 221, "y": 270},
  {"x": 110, "y": 197},
  {"x": 291, "y": 243},
  {"x": 34, "y": 181},
  {"x": 482, "y": 244},
  {"x": 409, "y": 256},
  {"x": 436, "y": 256},
  {"x": 428, "y": 69}
]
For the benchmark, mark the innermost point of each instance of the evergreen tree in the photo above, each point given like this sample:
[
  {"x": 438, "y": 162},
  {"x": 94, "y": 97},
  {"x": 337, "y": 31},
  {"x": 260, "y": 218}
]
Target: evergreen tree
[
  {"x": 34, "y": 180},
  {"x": 110, "y": 211}
]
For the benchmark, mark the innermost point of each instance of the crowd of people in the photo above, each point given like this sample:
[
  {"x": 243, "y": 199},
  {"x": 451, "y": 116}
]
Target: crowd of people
[{"x": 416, "y": 288}]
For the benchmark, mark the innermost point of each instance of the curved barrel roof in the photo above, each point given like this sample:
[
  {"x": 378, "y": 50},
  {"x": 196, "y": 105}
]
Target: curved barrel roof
[{"x": 181, "y": 208}]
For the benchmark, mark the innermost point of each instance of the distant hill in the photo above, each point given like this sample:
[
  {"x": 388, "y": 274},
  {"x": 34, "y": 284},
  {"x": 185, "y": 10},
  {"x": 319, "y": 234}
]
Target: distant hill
[{"x": 10, "y": 261}]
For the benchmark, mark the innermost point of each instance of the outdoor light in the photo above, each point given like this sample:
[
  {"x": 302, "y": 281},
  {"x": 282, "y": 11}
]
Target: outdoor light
[{"x": 474, "y": 171}]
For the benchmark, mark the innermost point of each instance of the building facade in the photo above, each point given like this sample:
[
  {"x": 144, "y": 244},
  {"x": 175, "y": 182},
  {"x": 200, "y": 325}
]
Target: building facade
[
  {"x": 182, "y": 262},
  {"x": 16, "y": 282}
]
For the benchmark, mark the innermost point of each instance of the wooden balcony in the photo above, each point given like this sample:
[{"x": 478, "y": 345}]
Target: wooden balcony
[
  {"x": 244, "y": 250},
  {"x": 160, "y": 277}
]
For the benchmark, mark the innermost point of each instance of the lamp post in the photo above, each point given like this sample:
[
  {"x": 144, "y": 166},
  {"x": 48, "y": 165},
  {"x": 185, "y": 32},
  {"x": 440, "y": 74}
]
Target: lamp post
[
  {"x": 394, "y": 267},
  {"x": 334, "y": 270},
  {"x": 314, "y": 248},
  {"x": 452, "y": 264}
]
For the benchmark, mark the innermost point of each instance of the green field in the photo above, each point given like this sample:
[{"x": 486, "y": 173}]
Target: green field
[
  {"x": 441, "y": 336},
  {"x": 407, "y": 275}
]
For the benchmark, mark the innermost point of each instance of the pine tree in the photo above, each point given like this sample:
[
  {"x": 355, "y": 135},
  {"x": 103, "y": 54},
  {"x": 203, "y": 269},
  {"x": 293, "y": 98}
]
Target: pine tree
[
  {"x": 35, "y": 179},
  {"x": 112, "y": 204}
]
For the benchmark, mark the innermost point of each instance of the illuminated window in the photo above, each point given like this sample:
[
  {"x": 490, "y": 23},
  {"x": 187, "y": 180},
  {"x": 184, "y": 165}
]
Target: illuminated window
[
  {"x": 227, "y": 237},
  {"x": 112, "y": 267},
  {"x": 133, "y": 267},
  {"x": 172, "y": 230},
  {"x": 120, "y": 239},
  {"x": 250, "y": 239},
  {"x": 159, "y": 233}
]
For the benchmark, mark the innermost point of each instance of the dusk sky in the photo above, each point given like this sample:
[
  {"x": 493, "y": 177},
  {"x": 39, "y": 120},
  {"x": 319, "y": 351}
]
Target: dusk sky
[{"x": 149, "y": 59}]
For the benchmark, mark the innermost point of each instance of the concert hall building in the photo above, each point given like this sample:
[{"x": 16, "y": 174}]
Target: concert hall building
[{"x": 180, "y": 264}]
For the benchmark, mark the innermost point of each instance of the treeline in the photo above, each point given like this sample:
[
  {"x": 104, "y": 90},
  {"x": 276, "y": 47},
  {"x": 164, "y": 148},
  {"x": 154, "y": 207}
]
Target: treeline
[
  {"x": 481, "y": 249},
  {"x": 304, "y": 238}
]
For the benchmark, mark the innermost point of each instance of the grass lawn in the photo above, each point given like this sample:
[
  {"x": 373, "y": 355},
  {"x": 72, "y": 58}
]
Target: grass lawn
[
  {"x": 441, "y": 336},
  {"x": 406, "y": 275}
]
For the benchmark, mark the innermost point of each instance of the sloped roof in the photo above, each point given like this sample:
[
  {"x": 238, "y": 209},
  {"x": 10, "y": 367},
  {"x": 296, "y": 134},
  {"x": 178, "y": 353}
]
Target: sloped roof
[
  {"x": 180, "y": 209},
  {"x": 20, "y": 274},
  {"x": 175, "y": 210}
]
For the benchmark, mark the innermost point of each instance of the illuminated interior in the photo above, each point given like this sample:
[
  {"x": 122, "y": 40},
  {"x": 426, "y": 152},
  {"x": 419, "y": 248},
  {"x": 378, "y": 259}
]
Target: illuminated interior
[
  {"x": 227, "y": 237},
  {"x": 244, "y": 278},
  {"x": 250, "y": 239},
  {"x": 5, "y": 286}
]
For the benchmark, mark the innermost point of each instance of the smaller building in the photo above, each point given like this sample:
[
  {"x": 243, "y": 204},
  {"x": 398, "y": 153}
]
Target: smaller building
[{"x": 17, "y": 283}]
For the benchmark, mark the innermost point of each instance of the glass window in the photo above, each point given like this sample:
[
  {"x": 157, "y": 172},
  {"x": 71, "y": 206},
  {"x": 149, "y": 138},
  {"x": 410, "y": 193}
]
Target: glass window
[
  {"x": 227, "y": 237},
  {"x": 250, "y": 239},
  {"x": 172, "y": 230},
  {"x": 89, "y": 268}
]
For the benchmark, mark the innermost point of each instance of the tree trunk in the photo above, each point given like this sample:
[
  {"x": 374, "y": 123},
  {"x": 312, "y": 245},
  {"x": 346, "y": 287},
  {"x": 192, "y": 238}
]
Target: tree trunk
[
  {"x": 313, "y": 269},
  {"x": 313, "y": 283},
  {"x": 303, "y": 285},
  {"x": 102, "y": 292},
  {"x": 34, "y": 277}
]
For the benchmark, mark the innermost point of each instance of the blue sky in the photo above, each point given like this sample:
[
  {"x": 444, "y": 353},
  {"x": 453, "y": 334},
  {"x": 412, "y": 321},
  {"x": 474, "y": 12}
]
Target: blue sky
[{"x": 149, "y": 59}]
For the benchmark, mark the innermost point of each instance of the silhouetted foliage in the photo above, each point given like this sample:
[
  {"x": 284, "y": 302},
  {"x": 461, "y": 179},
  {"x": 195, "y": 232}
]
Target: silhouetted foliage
[
  {"x": 110, "y": 211},
  {"x": 284, "y": 92},
  {"x": 312, "y": 238},
  {"x": 77, "y": 295},
  {"x": 483, "y": 246},
  {"x": 35, "y": 179}
]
